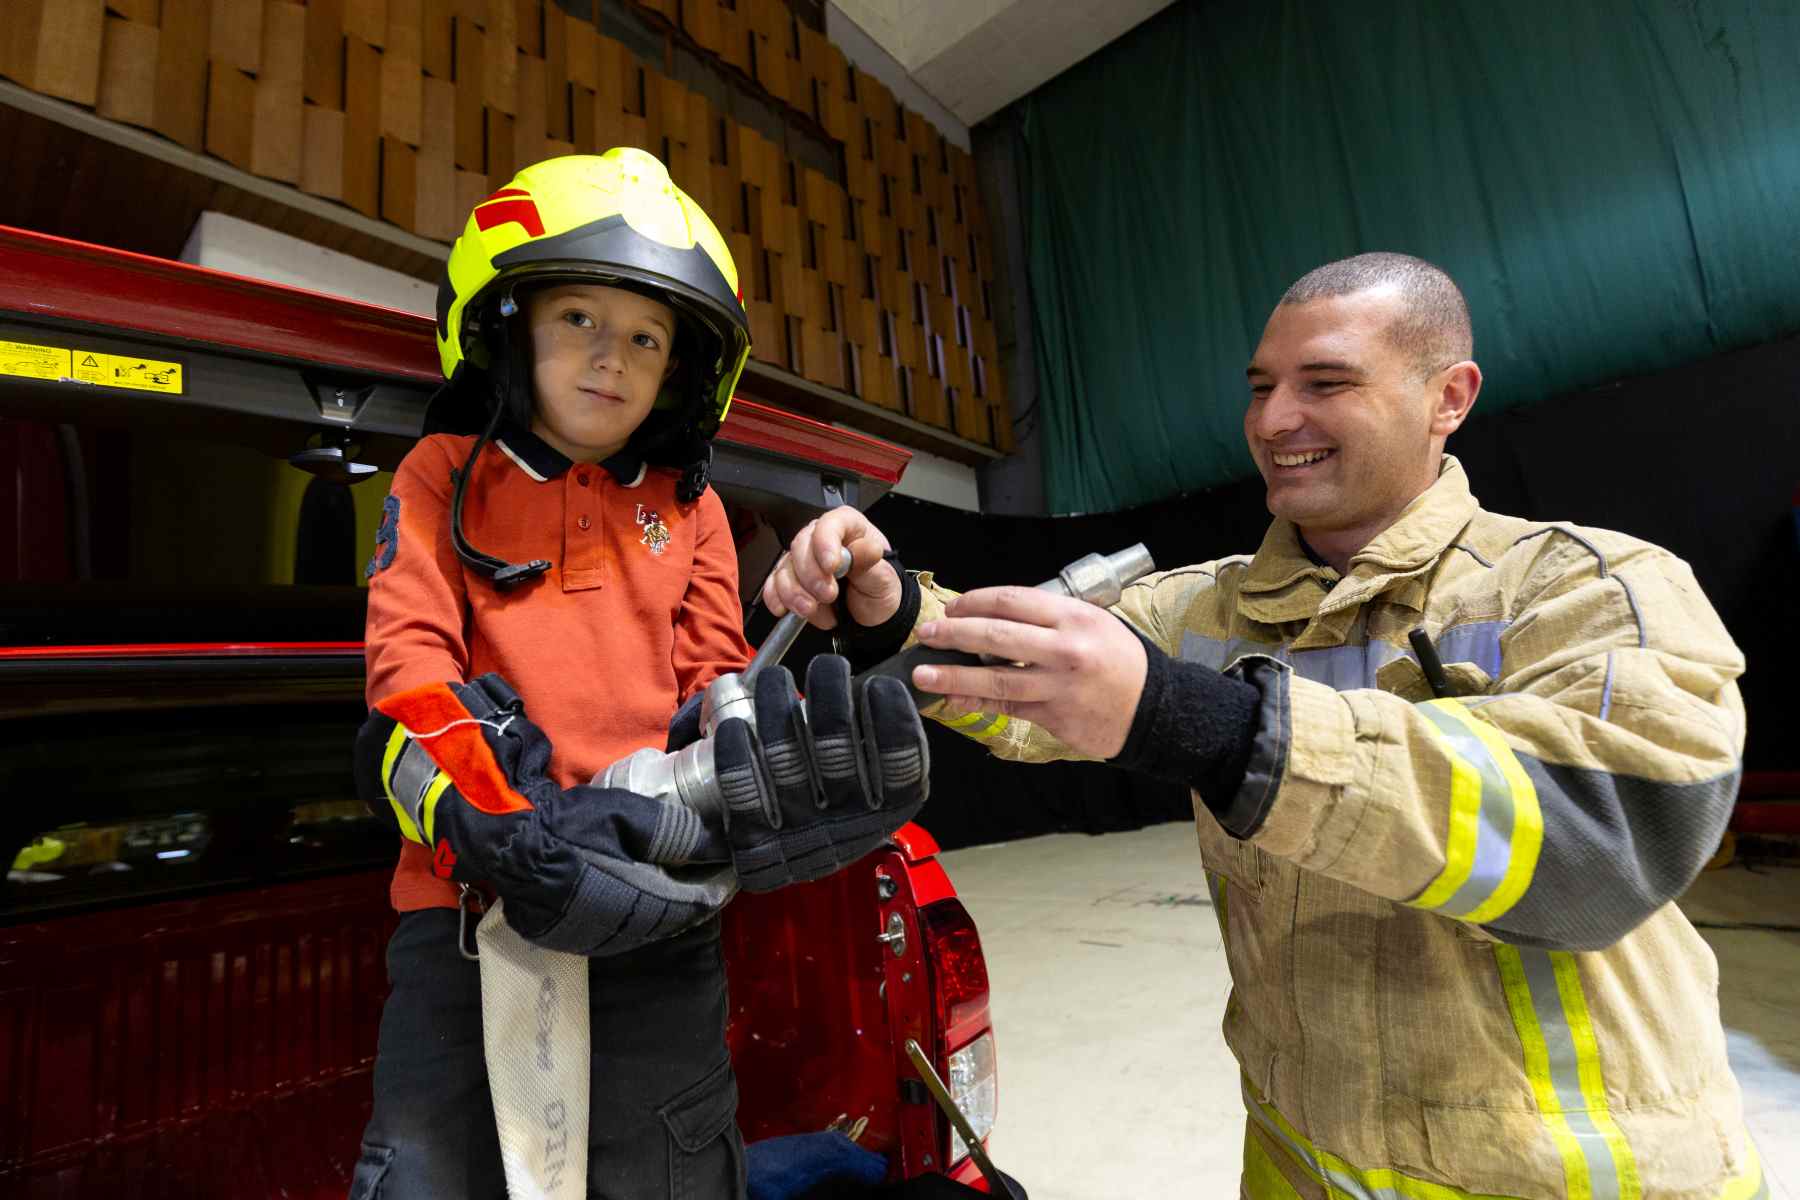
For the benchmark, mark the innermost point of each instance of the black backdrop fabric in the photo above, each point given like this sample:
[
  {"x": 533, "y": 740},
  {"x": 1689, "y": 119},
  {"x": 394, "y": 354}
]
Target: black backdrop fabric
[{"x": 1703, "y": 460}]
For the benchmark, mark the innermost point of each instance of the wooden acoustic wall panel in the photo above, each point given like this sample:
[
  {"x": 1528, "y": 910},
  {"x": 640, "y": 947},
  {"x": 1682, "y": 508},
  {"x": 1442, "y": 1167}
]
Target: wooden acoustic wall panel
[
  {"x": 54, "y": 46},
  {"x": 874, "y": 276}
]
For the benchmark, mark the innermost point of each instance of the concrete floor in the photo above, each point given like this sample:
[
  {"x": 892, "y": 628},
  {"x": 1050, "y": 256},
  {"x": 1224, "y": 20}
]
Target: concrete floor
[{"x": 1109, "y": 984}]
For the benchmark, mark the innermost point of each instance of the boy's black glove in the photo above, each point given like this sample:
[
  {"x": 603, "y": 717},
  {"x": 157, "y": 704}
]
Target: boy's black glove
[
  {"x": 460, "y": 769},
  {"x": 819, "y": 783}
]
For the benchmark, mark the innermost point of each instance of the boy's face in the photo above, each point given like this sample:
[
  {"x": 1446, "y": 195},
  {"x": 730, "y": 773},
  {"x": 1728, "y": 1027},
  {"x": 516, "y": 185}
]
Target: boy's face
[{"x": 599, "y": 357}]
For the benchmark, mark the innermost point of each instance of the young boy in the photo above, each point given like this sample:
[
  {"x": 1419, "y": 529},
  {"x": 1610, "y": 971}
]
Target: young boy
[{"x": 569, "y": 560}]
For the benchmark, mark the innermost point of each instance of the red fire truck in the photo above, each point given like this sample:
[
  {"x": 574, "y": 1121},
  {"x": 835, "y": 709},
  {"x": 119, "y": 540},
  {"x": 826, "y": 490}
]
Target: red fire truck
[{"x": 192, "y": 466}]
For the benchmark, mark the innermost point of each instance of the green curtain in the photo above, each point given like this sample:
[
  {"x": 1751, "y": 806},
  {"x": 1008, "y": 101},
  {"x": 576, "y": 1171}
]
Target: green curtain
[{"x": 1614, "y": 183}]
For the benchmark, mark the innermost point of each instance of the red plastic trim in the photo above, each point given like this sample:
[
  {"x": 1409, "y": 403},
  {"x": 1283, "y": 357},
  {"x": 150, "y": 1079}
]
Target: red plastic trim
[
  {"x": 52, "y": 278},
  {"x": 930, "y": 882},
  {"x": 760, "y": 427},
  {"x": 915, "y": 843},
  {"x": 187, "y": 650}
]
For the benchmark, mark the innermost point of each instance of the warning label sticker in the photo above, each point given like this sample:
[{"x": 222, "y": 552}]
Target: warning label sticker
[
  {"x": 113, "y": 370},
  {"x": 34, "y": 362},
  {"x": 27, "y": 360}
]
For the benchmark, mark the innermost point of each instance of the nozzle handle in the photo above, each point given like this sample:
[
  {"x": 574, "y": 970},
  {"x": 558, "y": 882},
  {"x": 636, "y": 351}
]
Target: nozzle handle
[{"x": 781, "y": 638}]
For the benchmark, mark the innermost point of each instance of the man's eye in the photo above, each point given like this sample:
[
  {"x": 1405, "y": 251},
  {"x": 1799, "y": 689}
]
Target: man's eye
[
  {"x": 1261, "y": 390},
  {"x": 1329, "y": 385}
]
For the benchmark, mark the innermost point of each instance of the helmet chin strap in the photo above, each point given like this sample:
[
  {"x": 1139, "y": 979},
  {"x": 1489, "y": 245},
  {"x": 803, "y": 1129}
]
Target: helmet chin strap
[{"x": 503, "y": 574}]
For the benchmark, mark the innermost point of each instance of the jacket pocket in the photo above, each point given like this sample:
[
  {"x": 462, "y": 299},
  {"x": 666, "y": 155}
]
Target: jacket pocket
[
  {"x": 371, "y": 1168},
  {"x": 1237, "y": 862},
  {"x": 706, "y": 1155}
]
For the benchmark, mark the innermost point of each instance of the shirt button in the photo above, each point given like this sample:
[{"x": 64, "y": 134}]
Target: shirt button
[
  {"x": 581, "y": 522},
  {"x": 581, "y": 479}
]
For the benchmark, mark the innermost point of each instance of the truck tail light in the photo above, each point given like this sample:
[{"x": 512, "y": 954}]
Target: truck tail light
[
  {"x": 959, "y": 996},
  {"x": 959, "y": 978},
  {"x": 975, "y": 1087}
]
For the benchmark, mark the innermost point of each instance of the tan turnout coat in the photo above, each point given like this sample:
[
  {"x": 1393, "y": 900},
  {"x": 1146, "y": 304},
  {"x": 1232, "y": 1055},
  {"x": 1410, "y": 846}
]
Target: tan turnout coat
[{"x": 1457, "y": 969}]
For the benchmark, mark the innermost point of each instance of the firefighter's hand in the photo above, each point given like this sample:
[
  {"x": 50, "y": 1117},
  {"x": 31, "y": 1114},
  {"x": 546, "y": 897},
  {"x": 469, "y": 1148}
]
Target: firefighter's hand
[
  {"x": 802, "y": 581},
  {"x": 1078, "y": 670}
]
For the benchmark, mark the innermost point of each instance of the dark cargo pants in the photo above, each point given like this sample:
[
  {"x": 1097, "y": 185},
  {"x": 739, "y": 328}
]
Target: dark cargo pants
[{"x": 663, "y": 1101}]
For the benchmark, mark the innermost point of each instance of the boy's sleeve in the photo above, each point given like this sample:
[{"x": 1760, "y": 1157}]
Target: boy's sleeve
[
  {"x": 417, "y": 601},
  {"x": 709, "y": 634}
]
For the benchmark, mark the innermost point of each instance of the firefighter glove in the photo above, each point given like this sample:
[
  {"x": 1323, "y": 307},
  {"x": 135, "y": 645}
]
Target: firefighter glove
[
  {"x": 821, "y": 782},
  {"x": 460, "y": 769}
]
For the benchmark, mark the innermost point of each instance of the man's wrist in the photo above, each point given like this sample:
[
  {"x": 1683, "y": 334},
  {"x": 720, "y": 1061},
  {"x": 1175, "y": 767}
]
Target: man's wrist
[
  {"x": 865, "y": 645},
  {"x": 1193, "y": 726}
]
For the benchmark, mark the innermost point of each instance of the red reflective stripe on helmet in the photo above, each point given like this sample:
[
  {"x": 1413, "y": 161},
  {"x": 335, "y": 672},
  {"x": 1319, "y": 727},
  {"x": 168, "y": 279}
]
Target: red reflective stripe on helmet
[
  {"x": 523, "y": 212},
  {"x": 431, "y": 713}
]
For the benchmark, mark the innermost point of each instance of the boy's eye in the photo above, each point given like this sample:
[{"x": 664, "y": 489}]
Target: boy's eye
[
  {"x": 647, "y": 341},
  {"x": 578, "y": 319}
]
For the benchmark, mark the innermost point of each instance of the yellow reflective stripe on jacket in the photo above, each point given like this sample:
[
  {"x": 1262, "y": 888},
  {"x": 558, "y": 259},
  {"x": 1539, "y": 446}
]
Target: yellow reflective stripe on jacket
[
  {"x": 1750, "y": 1185},
  {"x": 1262, "y": 1178},
  {"x": 396, "y": 743},
  {"x": 991, "y": 725},
  {"x": 1496, "y": 825},
  {"x": 1562, "y": 1060},
  {"x": 1336, "y": 1176}
]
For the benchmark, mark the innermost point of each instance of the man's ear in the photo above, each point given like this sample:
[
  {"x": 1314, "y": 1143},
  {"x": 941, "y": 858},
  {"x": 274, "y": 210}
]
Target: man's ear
[{"x": 1454, "y": 397}]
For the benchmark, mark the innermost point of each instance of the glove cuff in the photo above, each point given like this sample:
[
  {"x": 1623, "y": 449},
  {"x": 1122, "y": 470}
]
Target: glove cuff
[
  {"x": 1193, "y": 726},
  {"x": 866, "y": 645}
]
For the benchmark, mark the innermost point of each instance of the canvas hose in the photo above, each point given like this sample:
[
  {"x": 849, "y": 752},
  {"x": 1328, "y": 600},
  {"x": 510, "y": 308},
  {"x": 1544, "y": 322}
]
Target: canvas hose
[{"x": 535, "y": 1033}]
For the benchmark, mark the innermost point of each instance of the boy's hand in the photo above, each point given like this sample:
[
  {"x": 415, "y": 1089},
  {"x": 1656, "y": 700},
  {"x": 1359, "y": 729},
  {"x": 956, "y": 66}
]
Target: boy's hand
[{"x": 802, "y": 581}]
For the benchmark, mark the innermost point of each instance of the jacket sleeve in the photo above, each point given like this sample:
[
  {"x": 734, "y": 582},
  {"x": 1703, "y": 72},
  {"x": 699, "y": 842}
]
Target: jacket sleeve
[
  {"x": 1578, "y": 794},
  {"x": 709, "y": 633},
  {"x": 1152, "y": 607},
  {"x": 417, "y": 603}
]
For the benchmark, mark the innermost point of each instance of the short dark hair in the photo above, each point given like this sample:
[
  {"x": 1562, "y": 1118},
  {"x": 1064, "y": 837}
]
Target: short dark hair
[{"x": 1434, "y": 328}]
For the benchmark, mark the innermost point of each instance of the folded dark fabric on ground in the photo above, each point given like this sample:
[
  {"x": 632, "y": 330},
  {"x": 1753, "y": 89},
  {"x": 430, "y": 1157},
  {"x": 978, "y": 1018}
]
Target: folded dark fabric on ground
[{"x": 829, "y": 1166}]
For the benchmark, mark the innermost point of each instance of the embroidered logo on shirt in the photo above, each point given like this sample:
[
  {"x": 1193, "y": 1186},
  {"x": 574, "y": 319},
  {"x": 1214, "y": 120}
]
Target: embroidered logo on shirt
[
  {"x": 387, "y": 538},
  {"x": 656, "y": 534}
]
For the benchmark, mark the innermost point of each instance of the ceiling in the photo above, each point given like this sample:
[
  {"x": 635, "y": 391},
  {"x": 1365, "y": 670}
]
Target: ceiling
[{"x": 977, "y": 56}]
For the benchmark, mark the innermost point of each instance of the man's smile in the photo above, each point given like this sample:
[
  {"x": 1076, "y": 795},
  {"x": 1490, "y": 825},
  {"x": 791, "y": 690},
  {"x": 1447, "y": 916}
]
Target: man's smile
[{"x": 1298, "y": 460}]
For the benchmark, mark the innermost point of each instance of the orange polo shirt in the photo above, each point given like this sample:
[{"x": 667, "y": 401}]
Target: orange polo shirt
[{"x": 639, "y": 611}]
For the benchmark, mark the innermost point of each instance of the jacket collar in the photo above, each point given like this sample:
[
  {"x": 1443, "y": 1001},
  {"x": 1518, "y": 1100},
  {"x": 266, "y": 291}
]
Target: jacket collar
[
  {"x": 544, "y": 462},
  {"x": 1284, "y": 584}
]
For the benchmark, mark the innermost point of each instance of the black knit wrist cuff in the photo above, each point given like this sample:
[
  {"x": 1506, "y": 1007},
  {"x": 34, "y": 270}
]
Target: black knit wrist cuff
[
  {"x": 1194, "y": 726},
  {"x": 865, "y": 645}
]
